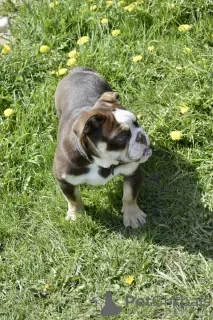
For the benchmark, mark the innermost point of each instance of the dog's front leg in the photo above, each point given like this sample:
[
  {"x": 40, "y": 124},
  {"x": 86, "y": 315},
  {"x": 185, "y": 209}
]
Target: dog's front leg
[
  {"x": 73, "y": 198},
  {"x": 132, "y": 215}
]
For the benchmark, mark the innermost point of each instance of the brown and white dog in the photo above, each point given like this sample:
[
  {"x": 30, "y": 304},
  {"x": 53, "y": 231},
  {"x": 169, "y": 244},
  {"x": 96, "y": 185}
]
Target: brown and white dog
[{"x": 98, "y": 139}]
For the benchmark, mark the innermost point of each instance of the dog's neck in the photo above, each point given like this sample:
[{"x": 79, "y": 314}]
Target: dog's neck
[
  {"x": 101, "y": 162},
  {"x": 105, "y": 162},
  {"x": 80, "y": 149}
]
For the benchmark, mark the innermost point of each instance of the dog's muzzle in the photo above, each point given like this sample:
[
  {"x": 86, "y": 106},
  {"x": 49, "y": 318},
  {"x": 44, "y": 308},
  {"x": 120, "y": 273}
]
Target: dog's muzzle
[{"x": 147, "y": 152}]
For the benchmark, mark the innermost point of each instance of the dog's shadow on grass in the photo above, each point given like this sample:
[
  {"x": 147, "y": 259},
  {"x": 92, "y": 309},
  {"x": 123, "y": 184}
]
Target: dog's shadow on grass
[{"x": 171, "y": 198}]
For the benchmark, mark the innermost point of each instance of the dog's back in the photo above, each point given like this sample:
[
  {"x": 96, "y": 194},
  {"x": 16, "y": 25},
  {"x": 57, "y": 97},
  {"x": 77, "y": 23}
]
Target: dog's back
[{"x": 80, "y": 89}]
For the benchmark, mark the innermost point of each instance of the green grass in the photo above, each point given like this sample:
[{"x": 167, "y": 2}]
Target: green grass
[{"x": 52, "y": 269}]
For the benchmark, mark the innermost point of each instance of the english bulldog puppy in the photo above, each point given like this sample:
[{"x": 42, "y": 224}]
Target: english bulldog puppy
[{"x": 98, "y": 139}]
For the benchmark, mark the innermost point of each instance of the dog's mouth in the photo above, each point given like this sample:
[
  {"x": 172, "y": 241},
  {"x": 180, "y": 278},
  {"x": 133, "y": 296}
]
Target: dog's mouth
[{"x": 147, "y": 152}]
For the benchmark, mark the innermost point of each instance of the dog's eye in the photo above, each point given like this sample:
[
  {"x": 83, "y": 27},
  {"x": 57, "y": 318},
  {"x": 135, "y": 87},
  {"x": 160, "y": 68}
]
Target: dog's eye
[{"x": 123, "y": 135}]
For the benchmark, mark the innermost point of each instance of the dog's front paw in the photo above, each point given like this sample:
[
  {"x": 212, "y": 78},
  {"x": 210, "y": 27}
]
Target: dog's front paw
[
  {"x": 133, "y": 216},
  {"x": 72, "y": 211}
]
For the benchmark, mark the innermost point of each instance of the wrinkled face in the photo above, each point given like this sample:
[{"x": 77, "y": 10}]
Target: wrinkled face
[
  {"x": 116, "y": 137},
  {"x": 137, "y": 143},
  {"x": 111, "y": 134}
]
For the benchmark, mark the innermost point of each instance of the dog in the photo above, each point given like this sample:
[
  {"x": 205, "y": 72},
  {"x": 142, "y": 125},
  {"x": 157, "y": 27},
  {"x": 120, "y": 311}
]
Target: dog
[{"x": 98, "y": 139}]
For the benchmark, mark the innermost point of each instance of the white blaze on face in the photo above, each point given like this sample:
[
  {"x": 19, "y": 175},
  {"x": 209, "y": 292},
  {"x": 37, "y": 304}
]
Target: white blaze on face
[
  {"x": 124, "y": 116},
  {"x": 135, "y": 149}
]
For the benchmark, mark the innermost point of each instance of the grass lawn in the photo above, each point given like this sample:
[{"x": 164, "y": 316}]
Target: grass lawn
[{"x": 52, "y": 269}]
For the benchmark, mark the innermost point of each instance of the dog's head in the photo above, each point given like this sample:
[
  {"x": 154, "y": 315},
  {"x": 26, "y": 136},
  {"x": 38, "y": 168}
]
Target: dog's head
[{"x": 111, "y": 134}]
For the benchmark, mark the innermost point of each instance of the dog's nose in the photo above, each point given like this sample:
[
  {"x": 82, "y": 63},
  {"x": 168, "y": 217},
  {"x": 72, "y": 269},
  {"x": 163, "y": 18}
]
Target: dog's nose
[
  {"x": 141, "y": 138},
  {"x": 147, "y": 152}
]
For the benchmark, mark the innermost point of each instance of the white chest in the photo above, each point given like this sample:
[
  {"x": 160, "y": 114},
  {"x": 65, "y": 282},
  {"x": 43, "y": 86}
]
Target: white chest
[
  {"x": 92, "y": 177},
  {"x": 99, "y": 176}
]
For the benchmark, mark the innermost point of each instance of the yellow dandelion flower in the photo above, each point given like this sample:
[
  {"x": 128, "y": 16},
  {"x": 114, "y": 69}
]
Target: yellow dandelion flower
[
  {"x": 73, "y": 54},
  {"x": 139, "y": 116},
  {"x": 150, "y": 48},
  {"x": 71, "y": 62},
  {"x": 92, "y": 8},
  {"x": 137, "y": 58},
  {"x": 176, "y": 135},
  {"x": 62, "y": 71},
  {"x": 116, "y": 32},
  {"x": 109, "y": 3},
  {"x": 6, "y": 49},
  {"x": 51, "y": 4},
  {"x": 104, "y": 21},
  {"x": 172, "y": 5},
  {"x": 130, "y": 7},
  {"x": 8, "y": 112},
  {"x": 129, "y": 280},
  {"x": 184, "y": 110},
  {"x": 44, "y": 49},
  {"x": 83, "y": 40},
  {"x": 184, "y": 27},
  {"x": 121, "y": 3},
  {"x": 187, "y": 50},
  {"x": 46, "y": 287}
]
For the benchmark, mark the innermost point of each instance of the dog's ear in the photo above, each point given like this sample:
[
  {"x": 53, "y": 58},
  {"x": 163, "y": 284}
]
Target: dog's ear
[
  {"x": 93, "y": 123},
  {"x": 110, "y": 96},
  {"x": 87, "y": 123}
]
